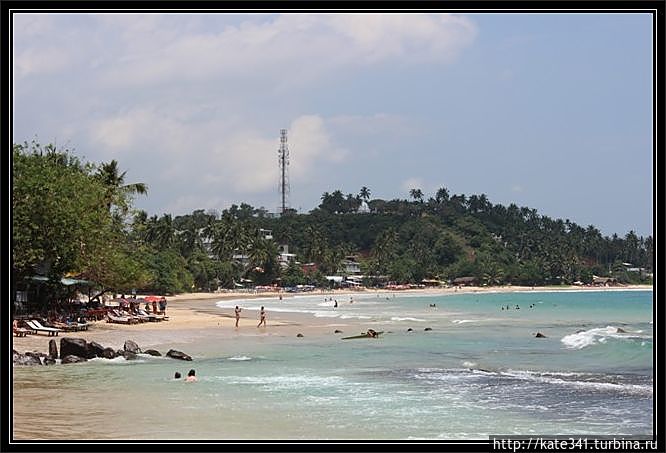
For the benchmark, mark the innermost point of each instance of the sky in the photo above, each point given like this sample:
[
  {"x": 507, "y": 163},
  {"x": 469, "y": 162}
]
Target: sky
[{"x": 551, "y": 111}]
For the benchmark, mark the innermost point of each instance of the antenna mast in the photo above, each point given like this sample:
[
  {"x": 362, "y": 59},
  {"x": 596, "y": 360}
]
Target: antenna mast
[{"x": 283, "y": 158}]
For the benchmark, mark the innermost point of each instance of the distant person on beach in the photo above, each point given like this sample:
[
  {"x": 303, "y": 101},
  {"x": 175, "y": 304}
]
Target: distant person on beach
[
  {"x": 177, "y": 375},
  {"x": 237, "y": 311},
  {"x": 262, "y": 317},
  {"x": 335, "y": 305},
  {"x": 191, "y": 376},
  {"x": 351, "y": 300}
]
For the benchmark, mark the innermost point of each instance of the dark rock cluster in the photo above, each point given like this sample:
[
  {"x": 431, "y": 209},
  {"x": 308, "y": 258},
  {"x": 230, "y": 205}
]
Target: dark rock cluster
[{"x": 75, "y": 350}]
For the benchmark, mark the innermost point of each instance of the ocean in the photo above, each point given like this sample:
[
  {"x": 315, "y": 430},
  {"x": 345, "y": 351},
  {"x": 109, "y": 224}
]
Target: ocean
[{"x": 469, "y": 368}]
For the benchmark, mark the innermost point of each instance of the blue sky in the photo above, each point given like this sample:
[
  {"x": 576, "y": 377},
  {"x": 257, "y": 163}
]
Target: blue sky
[{"x": 549, "y": 111}]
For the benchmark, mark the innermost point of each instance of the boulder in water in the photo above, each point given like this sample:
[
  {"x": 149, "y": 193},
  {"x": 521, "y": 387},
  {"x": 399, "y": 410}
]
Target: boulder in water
[
  {"x": 152, "y": 352},
  {"x": 337, "y": 331},
  {"x": 73, "y": 346},
  {"x": 129, "y": 355},
  {"x": 427, "y": 329},
  {"x": 174, "y": 354},
  {"x": 132, "y": 347},
  {"x": 539, "y": 335},
  {"x": 95, "y": 350},
  {"x": 53, "y": 349},
  {"x": 72, "y": 359},
  {"x": 300, "y": 335},
  {"x": 108, "y": 353},
  {"x": 621, "y": 330},
  {"x": 25, "y": 359}
]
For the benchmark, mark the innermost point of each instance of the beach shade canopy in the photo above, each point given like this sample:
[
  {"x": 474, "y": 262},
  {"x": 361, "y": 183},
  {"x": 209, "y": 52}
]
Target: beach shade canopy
[{"x": 153, "y": 298}]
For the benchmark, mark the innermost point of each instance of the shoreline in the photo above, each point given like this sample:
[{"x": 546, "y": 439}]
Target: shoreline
[{"x": 195, "y": 315}]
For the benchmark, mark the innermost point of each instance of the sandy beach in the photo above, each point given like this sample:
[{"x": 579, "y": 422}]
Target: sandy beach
[
  {"x": 465, "y": 367},
  {"x": 195, "y": 314}
]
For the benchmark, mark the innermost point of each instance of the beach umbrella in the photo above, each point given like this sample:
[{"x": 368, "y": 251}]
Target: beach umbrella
[{"x": 152, "y": 298}]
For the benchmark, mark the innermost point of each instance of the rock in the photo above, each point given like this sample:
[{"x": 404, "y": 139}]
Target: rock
[
  {"x": 132, "y": 347},
  {"x": 73, "y": 346},
  {"x": 72, "y": 358},
  {"x": 539, "y": 335},
  {"x": 621, "y": 330},
  {"x": 337, "y": 331},
  {"x": 49, "y": 361},
  {"x": 53, "y": 349},
  {"x": 152, "y": 352},
  {"x": 178, "y": 355},
  {"x": 129, "y": 355},
  {"x": 409, "y": 330},
  {"x": 300, "y": 335},
  {"x": 427, "y": 329},
  {"x": 108, "y": 353},
  {"x": 26, "y": 359},
  {"x": 37, "y": 356},
  {"x": 94, "y": 350}
]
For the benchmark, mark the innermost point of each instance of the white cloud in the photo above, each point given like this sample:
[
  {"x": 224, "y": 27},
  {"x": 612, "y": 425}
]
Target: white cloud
[
  {"x": 283, "y": 48},
  {"x": 192, "y": 104},
  {"x": 45, "y": 60}
]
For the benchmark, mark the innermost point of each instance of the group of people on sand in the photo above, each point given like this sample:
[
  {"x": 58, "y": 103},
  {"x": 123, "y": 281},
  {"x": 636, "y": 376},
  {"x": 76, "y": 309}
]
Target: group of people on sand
[{"x": 262, "y": 316}]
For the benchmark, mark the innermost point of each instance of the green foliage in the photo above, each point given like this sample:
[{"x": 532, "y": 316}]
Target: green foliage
[
  {"x": 293, "y": 275},
  {"x": 169, "y": 271},
  {"x": 70, "y": 217}
]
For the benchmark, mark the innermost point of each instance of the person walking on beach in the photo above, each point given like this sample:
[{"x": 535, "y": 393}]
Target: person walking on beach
[
  {"x": 237, "y": 311},
  {"x": 262, "y": 317}
]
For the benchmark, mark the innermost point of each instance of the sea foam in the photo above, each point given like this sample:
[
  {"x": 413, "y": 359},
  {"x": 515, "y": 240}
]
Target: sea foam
[{"x": 589, "y": 337}]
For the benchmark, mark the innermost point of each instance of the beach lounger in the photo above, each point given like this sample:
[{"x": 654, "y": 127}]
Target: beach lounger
[
  {"x": 37, "y": 327},
  {"x": 133, "y": 319},
  {"x": 110, "y": 317},
  {"x": 150, "y": 316},
  {"x": 21, "y": 331},
  {"x": 63, "y": 326}
]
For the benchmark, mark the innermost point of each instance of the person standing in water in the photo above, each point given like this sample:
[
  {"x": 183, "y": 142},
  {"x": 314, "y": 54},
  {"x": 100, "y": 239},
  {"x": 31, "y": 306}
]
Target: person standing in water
[
  {"x": 191, "y": 376},
  {"x": 262, "y": 317},
  {"x": 237, "y": 311}
]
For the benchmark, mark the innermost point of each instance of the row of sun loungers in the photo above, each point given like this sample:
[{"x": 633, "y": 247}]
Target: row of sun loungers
[
  {"x": 35, "y": 326},
  {"x": 114, "y": 316}
]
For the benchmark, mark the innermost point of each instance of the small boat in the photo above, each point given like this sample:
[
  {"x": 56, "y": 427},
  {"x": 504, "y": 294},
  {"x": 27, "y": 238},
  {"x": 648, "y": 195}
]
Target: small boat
[{"x": 363, "y": 335}]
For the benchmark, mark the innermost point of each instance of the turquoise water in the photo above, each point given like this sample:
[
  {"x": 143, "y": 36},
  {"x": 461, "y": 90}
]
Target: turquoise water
[{"x": 479, "y": 371}]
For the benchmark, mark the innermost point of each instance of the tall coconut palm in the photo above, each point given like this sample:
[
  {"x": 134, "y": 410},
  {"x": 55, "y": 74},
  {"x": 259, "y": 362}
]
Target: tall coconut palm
[
  {"x": 364, "y": 193},
  {"x": 416, "y": 194},
  {"x": 116, "y": 189}
]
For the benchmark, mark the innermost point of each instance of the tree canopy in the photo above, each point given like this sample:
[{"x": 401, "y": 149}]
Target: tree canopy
[{"x": 71, "y": 218}]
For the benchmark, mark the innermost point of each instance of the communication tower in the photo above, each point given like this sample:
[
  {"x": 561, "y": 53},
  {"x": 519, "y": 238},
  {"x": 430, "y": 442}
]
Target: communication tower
[{"x": 283, "y": 158}]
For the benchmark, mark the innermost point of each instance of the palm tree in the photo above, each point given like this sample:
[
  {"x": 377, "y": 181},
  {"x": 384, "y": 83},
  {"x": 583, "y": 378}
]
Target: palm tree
[
  {"x": 364, "y": 193},
  {"x": 442, "y": 195},
  {"x": 116, "y": 189},
  {"x": 416, "y": 194}
]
